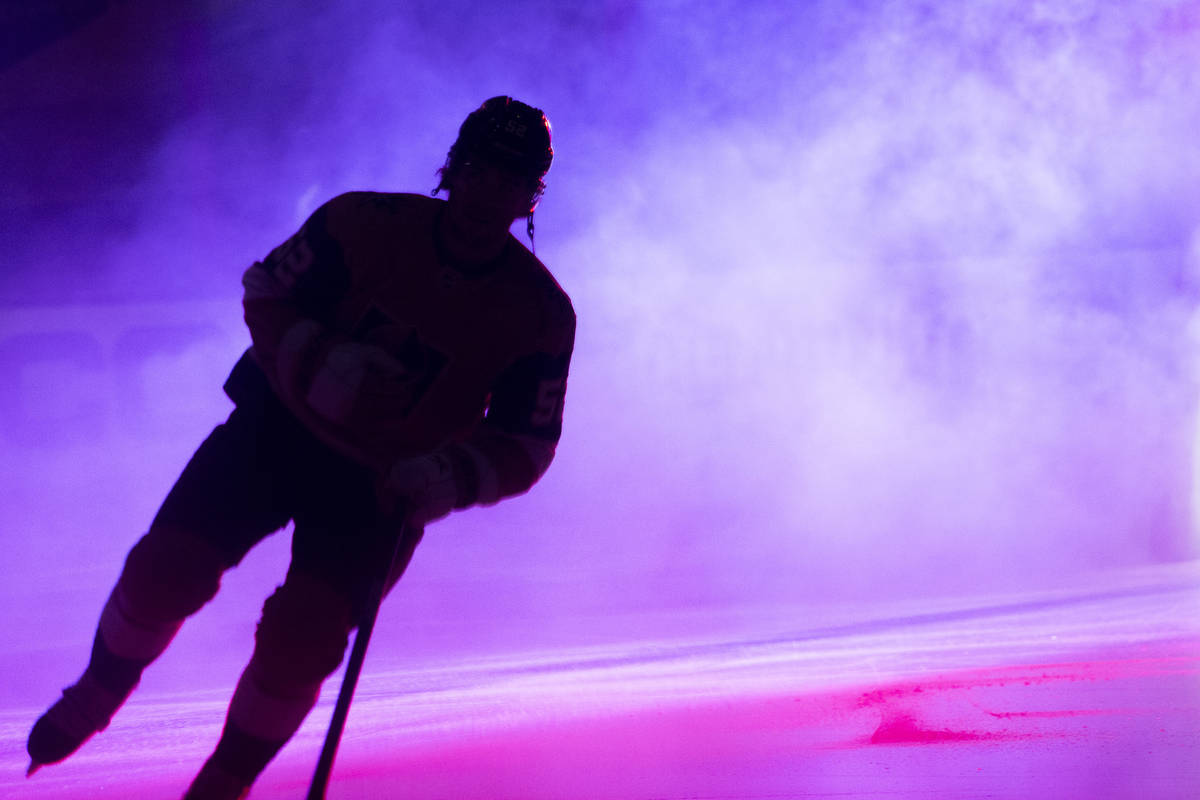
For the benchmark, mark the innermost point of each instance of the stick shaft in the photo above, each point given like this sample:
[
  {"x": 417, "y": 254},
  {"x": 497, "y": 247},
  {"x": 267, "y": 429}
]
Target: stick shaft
[{"x": 320, "y": 781}]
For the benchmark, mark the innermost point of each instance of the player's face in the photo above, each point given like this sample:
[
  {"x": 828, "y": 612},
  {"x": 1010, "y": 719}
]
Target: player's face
[{"x": 485, "y": 195}]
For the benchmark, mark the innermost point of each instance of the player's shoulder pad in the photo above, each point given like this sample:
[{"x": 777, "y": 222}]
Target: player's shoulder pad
[
  {"x": 556, "y": 306},
  {"x": 364, "y": 203}
]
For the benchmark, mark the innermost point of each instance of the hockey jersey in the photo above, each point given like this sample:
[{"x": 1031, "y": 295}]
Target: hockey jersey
[{"x": 386, "y": 352}]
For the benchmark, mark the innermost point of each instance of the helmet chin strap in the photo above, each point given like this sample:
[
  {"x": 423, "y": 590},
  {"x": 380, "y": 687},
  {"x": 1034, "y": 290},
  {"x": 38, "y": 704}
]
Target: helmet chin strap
[{"x": 529, "y": 231}]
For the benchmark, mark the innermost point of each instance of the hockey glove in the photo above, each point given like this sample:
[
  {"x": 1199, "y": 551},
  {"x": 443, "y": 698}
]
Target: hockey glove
[{"x": 424, "y": 484}]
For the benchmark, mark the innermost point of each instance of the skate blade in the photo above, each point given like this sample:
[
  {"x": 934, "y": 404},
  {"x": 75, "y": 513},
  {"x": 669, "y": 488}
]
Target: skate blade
[{"x": 33, "y": 767}]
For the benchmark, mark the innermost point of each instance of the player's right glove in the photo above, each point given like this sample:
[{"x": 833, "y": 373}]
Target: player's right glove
[{"x": 425, "y": 485}]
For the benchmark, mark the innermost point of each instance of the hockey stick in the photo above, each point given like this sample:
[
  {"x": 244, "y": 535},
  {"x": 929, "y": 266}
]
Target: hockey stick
[{"x": 320, "y": 781}]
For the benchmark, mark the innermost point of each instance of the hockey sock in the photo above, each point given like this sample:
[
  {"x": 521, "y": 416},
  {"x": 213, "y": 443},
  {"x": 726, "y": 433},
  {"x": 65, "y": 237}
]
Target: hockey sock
[
  {"x": 233, "y": 767},
  {"x": 215, "y": 783},
  {"x": 257, "y": 726},
  {"x": 115, "y": 673},
  {"x": 236, "y": 763},
  {"x": 125, "y": 645},
  {"x": 242, "y": 754}
]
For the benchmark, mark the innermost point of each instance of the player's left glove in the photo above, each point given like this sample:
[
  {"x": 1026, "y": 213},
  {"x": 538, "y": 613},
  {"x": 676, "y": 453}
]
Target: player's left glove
[{"x": 425, "y": 485}]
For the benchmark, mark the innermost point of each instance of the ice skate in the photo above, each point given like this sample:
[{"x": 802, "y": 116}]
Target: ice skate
[{"x": 84, "y": 709}]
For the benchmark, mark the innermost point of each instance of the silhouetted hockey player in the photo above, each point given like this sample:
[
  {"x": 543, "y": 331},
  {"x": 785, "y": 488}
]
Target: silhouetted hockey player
[{"x": 405, "y": 350}]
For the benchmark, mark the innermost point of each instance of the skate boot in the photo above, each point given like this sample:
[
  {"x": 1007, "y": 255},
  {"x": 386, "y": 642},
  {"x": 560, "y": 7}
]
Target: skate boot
[
  {"x": 85, "y": 708},
  {"x": 215, "y": 783}
]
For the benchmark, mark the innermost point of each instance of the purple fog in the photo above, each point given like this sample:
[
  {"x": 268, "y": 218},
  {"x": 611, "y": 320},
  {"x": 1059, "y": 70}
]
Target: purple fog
[{"x": 887, "y": 313}]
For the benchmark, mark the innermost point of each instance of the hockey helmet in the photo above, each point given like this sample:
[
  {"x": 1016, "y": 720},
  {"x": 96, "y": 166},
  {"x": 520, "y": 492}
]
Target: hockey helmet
[{"x": 506, "y": 132}]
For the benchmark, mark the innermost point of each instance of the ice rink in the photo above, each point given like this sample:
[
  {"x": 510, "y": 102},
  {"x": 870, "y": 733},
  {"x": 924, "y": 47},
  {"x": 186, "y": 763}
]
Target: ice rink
[{"x": 1080, "y": 694}]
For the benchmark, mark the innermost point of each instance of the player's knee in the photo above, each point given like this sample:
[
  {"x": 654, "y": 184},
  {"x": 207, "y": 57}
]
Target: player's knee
[
  {"x": 169, "y": 575},
  {"x": 302, "y": 636}
]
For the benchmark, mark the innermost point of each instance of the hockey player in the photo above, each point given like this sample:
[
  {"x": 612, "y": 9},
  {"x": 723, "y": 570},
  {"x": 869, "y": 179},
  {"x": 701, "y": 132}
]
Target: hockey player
[{"x": 405, "y": 351}]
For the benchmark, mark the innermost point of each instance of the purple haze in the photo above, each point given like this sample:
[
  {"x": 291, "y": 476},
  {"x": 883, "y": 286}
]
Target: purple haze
[{"x": 878, "y": 301}]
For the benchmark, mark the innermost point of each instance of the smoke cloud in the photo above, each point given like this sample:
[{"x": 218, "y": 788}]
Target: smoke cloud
[{"x": 877, "y": 300}]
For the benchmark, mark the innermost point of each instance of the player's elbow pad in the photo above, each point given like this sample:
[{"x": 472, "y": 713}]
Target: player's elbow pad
[{"x": 536, "y": 455}]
